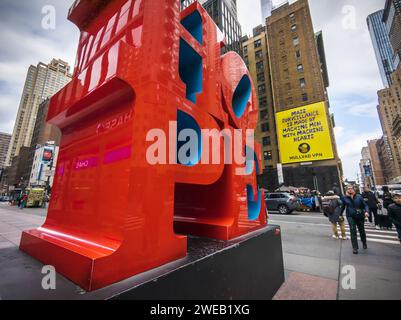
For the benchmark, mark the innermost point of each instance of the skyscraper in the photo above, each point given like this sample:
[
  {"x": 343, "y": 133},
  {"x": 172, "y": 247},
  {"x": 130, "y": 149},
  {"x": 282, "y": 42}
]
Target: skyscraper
[
  {"x": 41, "y": 82},
  {"x": 389, "y": 108},
  {"x": 392, "y": 20},
  {"x": 299, "y": 79},
  {"x": 381, "y": 45},
  {"x": 256, "y": 56},
  {"x": 266, "y": 8},
  {"x": 4, "y": 143},
  {"x": 224, "y": 14}
]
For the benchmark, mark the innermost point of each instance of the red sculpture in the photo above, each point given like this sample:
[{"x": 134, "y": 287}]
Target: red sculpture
[{"x": 142, "y": 64}]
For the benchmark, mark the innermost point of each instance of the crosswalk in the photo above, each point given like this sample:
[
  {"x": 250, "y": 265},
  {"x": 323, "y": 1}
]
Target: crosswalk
[{"x": 378, "y": 236}]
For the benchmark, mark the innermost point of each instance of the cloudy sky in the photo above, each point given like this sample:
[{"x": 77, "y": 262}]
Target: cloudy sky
[{"x": 353, "y": 71}]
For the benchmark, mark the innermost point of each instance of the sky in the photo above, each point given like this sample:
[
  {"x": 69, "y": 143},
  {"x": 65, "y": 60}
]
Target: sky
[{"x": 353, "y": 71}]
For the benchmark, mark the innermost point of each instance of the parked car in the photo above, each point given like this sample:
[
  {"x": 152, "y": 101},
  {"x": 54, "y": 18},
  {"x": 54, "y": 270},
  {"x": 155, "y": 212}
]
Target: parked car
[
  {"x": 282, "y": 202},
  {"x": 4, "y": 198}
]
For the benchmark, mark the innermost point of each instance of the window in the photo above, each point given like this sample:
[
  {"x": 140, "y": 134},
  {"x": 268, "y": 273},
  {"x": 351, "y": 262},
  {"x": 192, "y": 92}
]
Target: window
[
  {"x": 268, "y": 155},
  {"x": 295, "y": 41},
  {"x": 258, "y": 54},
  {"x": 263, "y": 114},
  {"x": 294, "y": 27},
  {"x": 245, "y": 50},
  {"x": 265, "y": 127},
  {"x": 300, "y": 68},
  {"x": 266, "y": 141},
  {"x": 304, "y": 97},
  {"x": 261, "y": 77},
  {"x": 292, "y": 15},
  {"x": 259, "y": 66},
  {"x": 261, "y": 89},
  {"x": 257, "y": 43},
  {"x": 302, "y": 83},
  {"x": 297, "y": 54},
  {"x": 263, "y": 102}
]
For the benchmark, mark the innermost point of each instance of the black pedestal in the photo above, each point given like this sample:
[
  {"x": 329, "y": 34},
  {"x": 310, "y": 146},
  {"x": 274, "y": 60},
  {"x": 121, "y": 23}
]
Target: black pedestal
[{"x": 250, "y": 267}]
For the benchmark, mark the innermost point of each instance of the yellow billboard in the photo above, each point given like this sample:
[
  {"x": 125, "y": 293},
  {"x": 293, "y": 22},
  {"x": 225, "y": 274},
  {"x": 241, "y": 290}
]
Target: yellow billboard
[{"x": 304, "y": 134}]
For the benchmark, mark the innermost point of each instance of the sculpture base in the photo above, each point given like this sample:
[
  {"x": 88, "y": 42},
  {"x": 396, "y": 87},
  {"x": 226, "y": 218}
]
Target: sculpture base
[{"x": 249, "y": 267}]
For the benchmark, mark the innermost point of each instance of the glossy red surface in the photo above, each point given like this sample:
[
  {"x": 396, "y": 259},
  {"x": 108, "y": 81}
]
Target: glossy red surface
[{"x": 112, "y": 214}]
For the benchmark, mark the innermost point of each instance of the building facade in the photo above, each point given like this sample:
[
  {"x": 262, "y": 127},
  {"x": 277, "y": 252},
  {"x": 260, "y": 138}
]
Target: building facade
[
  {"x": 224, "y": 14},
  {"x": 392, "y": 20},
  {"x": 372, "y": 173},
  {"x": 389, "y": 109},
  {"x": 44, "y": 165},
  {"x": 41, "y": 82},
  {"x": 299, "y": 78},
  {"x": 4, "y": 143},
  {"x": 375, "y": 163},
  {"x": 256, "y": 56},
  {"x": 381, "y": 44},
  {"x": 366, "y": 178},
  {"x": 42, "y": 133}
]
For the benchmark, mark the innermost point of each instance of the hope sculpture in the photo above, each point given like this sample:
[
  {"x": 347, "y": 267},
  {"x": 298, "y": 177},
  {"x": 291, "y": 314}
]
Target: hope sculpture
[{"x": 143, "y": 66}]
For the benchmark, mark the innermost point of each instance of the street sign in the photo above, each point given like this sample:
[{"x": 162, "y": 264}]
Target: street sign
[{"x": 280, "y": 173}]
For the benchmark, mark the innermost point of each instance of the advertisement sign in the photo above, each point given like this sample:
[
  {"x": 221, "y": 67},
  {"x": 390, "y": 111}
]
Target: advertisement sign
[
  {"x": 303, "y": 134},
  {"x": 47, "y": 154},
  {"x": 368, "y": 171}
]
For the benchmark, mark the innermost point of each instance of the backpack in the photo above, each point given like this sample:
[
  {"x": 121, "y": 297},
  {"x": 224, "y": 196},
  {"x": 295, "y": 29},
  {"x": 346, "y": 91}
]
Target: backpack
[{"x": 328, "y": 207}]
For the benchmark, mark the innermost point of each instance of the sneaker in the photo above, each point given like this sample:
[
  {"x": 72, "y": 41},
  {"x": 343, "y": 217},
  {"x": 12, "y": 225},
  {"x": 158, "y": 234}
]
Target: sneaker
[
  {"x": 365, "y": 246},
  {"x": 355, "y": 251},
  {"x": 334, "y": 236},
  {"x": 345, "y": 238},
  {"x": 377, "y": 228}
]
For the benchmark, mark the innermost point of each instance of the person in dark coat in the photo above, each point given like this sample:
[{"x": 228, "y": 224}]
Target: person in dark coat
[
  {"x": 387, "y": 197},
  {"x": 394, "y": 213},
  {"x": 337, "y": 190},
  {"x": 331, "y": 206},
  {"x": 373, "y": 204},
  {"x": 356, "y": 211}
]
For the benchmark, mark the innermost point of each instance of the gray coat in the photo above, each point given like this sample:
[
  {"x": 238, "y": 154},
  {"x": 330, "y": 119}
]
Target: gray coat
[{"x": 336, "y": 202}]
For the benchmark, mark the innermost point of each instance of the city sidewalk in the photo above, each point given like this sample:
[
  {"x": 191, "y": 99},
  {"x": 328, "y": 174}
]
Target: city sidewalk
[
  {"x": 14, "y": 220},
  {"x": 317, "y": 265},
  {"x": 313, "y": 261}
]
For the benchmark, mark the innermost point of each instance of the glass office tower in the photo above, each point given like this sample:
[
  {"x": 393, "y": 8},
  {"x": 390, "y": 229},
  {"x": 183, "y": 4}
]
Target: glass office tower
[
  {"x": 224, "y": 14},
  {"x": 381, "y": 45}
]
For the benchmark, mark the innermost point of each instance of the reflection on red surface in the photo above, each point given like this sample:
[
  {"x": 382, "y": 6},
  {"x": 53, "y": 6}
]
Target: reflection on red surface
[{"x": 112, "y": 214}]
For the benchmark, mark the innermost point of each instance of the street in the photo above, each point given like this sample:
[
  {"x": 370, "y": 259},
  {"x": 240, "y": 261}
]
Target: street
[{"x": 313, "y": 260}]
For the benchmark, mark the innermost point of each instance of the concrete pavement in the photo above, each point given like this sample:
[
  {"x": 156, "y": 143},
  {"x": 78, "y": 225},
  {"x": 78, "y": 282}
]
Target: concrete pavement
[{"x": 313, "y": 261}]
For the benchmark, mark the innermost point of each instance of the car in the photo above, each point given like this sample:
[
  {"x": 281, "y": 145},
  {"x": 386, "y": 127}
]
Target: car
[
  {"x": 4, "y": 198},
  {"x": 282, "y": 202}
]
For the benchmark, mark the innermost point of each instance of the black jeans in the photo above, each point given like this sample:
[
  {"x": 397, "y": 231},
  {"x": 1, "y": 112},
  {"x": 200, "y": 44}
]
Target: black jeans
[
  {"x": 353, "y": 225},
  {"x": 373, "y": 213}
]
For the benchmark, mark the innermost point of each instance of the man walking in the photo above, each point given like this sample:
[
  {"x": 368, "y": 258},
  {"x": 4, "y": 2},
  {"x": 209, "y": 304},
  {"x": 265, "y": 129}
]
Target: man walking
[
  {"x": 356, "y": 211},
  {"x": 372, "y": 202},
  {"x": 394, "y": 213}
]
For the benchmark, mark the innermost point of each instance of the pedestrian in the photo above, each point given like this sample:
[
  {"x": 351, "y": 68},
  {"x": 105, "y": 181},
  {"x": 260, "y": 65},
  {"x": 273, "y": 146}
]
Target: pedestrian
[
  {"x": 373, "y": 204},
  {"x": 332, "y": 208},
  {"x": 356, "y": 211},
  {"x": 23, "y": 202},
  {"x": 394, "y": 213},
  {"x": 336, "y": 189},
  {"x": 387, "y": 198}
]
